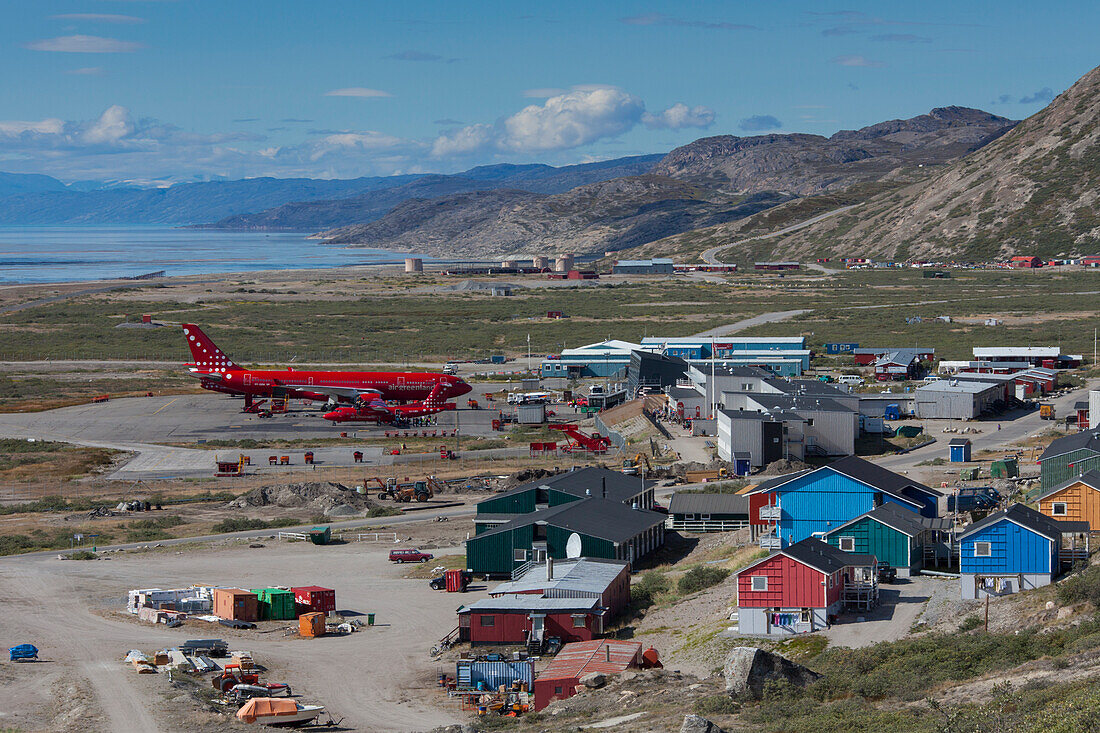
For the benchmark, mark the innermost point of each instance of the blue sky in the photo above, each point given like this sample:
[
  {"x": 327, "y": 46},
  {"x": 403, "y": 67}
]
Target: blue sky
[{"x": 170, "y": 90}]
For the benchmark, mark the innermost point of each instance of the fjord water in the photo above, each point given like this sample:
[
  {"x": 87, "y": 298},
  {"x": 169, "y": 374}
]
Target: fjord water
[{"x": 55, "y": 254}]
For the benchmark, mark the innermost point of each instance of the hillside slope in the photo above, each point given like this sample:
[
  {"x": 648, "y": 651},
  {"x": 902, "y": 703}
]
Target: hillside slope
[
  {"x": 610, "y": 215},
  {"x": 1033, "y": 191}
]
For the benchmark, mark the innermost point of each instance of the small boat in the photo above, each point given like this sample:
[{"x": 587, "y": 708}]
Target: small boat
[{"x": 278, "y": 712}]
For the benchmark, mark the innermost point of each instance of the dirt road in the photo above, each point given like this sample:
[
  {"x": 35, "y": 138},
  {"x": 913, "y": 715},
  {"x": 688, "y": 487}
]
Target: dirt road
[{"x": 710, "y": 256}]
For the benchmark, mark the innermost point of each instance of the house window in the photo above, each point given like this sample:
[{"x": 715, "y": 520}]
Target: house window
[
  {"x": 519, "y": 555},
  {"x": 1058, "y": 509},
  {"x": 809, "y": 422},
  {"x": 983, "y": 549},
  {"x": 759, "y": 582},
  {"x": 487, "y": 620},
  {"x": 704, "y": 517},
  {"x": 557, "y": 690},
  {"x": 689, "y": 517},
  {"x": 848, "y": 544},
  {"x": 579, "y": 621},
  {"x": 806, "y": 616}
]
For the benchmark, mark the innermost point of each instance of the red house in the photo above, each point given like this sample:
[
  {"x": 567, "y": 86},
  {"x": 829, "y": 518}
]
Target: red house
[
  {"x": 802, "y": 588},
  {"x": 562, "y": 678},
  {"x": 529, "y": 620}
]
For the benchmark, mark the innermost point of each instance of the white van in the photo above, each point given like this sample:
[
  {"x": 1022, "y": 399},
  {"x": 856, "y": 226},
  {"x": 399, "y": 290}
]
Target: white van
[
  {"x": 450, "y": 368},
  {"x": 849, "y": 379}
]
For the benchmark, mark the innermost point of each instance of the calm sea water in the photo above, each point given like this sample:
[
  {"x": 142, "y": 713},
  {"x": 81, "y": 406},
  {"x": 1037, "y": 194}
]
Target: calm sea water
[{"x": 55, "y": 254}]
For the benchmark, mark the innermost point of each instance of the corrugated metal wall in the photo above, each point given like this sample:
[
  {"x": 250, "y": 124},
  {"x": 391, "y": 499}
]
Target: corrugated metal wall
[
  {"x": 874, "y": 538},
  {"x": 1014, "y": 550}
]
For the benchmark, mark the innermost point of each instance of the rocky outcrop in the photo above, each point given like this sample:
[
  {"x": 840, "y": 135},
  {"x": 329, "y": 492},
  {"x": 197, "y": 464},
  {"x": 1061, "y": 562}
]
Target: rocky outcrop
[
  {"x": 321, "y": 497},
  {"x": 699, "y": 724},
  {"x": 748, "y": 669}
]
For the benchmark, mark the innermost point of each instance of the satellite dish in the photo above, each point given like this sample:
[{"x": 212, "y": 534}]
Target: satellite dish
[{"x": 573, "y": 546}]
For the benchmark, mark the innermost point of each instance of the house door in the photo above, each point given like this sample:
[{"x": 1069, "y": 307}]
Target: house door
[
  {"x": 247, "y": 378},
  {"x": 537, "y": 628}
]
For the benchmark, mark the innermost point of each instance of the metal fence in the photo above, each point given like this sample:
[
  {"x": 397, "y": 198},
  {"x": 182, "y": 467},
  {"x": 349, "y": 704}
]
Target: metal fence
[
  {"x": 706, "y": 525},
  {"x": 618, "y": 442}
]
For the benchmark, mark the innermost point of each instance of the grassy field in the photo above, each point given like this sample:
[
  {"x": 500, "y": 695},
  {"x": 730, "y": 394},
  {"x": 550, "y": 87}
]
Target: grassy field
[
  {"x": 390, "y": 326},
  {"x": 22, "y": 461}
]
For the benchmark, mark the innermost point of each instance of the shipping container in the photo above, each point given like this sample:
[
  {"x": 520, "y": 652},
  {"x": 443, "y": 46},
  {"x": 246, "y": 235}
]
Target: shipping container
[
  {"x": 471, "y": 675},
  {"x": 235, "y": 604},
  {"x": 320, "y": 535},
  {"x": 456, "y": 581},
  {"x": 315, "y": 598},
  {"x": 275, "y": 604}
]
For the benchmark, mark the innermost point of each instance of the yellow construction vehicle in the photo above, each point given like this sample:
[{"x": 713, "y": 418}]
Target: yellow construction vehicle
[{"x": 631, "y": 467}]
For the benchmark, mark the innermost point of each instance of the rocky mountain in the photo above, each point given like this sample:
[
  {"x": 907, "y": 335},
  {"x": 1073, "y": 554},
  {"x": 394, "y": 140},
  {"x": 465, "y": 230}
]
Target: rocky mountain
[
  {"x": 605, "y": 216},
  {"x": 1035, "y": 190},
  {"x": 314, "y": 215},
  {"x": 810, "y": 164}
]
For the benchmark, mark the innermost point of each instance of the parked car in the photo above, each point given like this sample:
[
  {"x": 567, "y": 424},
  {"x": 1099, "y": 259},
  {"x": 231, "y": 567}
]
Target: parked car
[
  {"x": 410, "y": 556},
  {"x": 886, "y": 574}
]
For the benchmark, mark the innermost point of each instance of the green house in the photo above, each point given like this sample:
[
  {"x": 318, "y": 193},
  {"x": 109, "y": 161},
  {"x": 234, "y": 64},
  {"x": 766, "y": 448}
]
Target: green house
[
  {"x": 1069, "y": 457},
  {"x": 894, "y": 536},
  {"x": 591, "y": 527},
  {"x": 566, "y": 487},
  {"x": 275, "y": 604}
]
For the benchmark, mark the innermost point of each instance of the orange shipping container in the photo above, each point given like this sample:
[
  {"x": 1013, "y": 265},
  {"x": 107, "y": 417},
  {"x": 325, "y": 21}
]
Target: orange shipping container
[
  {"x": 311, "y": 624},
  {"x": 235, "y": 603}
]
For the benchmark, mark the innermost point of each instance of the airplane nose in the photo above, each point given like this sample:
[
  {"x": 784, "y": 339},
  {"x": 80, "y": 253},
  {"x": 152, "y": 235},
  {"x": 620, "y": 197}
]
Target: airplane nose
[{"x": 460, "y": 387}]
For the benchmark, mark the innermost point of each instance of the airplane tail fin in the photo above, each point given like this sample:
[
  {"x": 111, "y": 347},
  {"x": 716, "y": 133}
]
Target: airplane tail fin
[{"x": 204, "y": 351}]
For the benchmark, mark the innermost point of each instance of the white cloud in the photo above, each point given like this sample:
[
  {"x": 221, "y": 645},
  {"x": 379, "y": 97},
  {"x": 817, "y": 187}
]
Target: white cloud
[
  {"x": 361, "y": 92},
  {"x": 14, "y": 128},
  {"x": 856, "y": 60},
  {"x": 679, "y": 116},
  {"x": 111, "y": 127},
  {"x": 84, "y": 44},
  {"x": 563, "y": 121},
  {"x": 101, "y": 18}
]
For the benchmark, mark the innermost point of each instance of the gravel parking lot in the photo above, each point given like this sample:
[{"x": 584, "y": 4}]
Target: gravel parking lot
[{"x": 378, "y": 679}]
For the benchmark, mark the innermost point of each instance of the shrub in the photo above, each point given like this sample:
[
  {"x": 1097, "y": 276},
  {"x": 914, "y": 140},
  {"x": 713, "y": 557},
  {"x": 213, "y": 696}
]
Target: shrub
[
  {"x": 717, "y": 705},
  {"x": 644, "y": 591},
  {"x": 972, "y": 621},
  {"x": 1084, "y": 586},
  {"x": 700, "y": 577},
  {"x": 82, "y": 555},
  {"x": 243, "y": 524}
]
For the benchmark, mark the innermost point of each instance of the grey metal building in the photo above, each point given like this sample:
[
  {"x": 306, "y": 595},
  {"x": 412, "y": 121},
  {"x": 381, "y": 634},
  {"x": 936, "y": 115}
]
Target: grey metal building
[{"x": 950, "y": 399}]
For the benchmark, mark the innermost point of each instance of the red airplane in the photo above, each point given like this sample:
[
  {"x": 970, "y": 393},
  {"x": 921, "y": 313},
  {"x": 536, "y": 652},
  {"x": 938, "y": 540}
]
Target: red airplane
[
  {"x": 218, "y": 373},
  {"x": 376, "y": 411}
]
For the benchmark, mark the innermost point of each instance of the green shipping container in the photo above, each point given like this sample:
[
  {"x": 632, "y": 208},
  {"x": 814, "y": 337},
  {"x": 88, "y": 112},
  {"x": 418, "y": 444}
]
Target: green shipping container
[
  {"x": 1007, "y": 468},
  {"x": 275, "y": 604},
  {"x": 969, "y": 474}
]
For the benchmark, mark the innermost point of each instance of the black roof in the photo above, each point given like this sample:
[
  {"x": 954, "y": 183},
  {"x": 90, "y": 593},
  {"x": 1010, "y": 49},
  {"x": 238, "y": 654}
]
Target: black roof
[
  {"x": 603, "y": 518},
  {"x": 877, "y": 476},
  {"x": 1089, "y": 478},
  {"x": 808, "y": 387},
  {"x": 959, "y": 441},
  {"x": 796, "y": 403},
  {"x": 891, "y": 515},
  {"x": 1089, "y": 439},
  {"x": 683, "y": 502},
  {"x": 869, "y": 473},
  {"x": 620, "y": 487},
  {"x": 824, "y": 557},
  {"x": 1025, "y": 516}
]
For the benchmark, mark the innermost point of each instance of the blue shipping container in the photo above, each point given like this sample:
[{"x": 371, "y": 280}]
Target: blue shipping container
[
  {"x": 840, "y": 348},
  {"x": 491, "y": 675}
]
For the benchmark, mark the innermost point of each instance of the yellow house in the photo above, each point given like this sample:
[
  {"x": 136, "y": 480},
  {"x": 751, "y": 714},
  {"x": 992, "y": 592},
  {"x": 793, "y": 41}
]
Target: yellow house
[{"x": 1076, "y": 500}]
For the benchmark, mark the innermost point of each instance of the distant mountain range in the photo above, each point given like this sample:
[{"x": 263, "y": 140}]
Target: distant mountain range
[
  {"x": 707, "y": 187},
  {"x": 35, "y": 199}
]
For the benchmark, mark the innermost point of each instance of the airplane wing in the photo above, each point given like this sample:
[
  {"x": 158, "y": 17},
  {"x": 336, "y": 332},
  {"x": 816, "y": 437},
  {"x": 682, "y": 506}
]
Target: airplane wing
[{"x": 347, "y": 394}]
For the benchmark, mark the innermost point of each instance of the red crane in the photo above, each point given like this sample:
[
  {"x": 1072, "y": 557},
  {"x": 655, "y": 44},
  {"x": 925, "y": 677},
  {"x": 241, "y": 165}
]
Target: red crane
[{"x": 579, "y": 440}]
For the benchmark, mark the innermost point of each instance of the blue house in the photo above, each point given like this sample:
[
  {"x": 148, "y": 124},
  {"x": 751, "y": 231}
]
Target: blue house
[
  {"x": 814, "y": 502},
  {"x": 1015, "y": 549}
]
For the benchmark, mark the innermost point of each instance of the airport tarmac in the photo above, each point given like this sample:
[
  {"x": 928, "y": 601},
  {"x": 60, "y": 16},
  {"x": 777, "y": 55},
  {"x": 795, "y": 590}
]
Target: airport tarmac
[{"x": 144, "y": 425}]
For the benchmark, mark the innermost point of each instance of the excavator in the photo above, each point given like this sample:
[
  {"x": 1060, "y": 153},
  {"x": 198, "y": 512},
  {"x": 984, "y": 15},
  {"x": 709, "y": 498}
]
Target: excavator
[
  {"x": 632, "y": 466},
  {"x": 408, "y": 491}
]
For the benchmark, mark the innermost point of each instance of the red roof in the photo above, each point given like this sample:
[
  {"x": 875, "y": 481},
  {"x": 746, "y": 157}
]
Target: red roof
[{"x": 579, "y": 658}]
